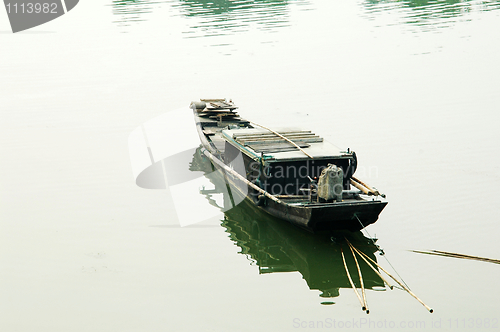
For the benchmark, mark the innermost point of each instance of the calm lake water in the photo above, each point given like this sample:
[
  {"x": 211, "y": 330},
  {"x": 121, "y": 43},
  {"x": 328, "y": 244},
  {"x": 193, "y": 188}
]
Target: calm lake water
[{"x": 412, "y": 86}]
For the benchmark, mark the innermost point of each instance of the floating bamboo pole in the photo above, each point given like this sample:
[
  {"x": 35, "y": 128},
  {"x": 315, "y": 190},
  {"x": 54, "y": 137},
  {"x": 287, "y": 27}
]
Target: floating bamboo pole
[
  {"x": 286, "y": 139},
  {"x": 396, "y": 280},
  {"x": 352, "y": 283},
  {"x": 360, "y": 280},
  {"x": 374, "y": 269},
  {"x": 455, "y": 255}
]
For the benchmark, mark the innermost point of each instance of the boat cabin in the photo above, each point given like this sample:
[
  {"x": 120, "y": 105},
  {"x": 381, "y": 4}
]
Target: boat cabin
[{"x": 280, "y": 167}]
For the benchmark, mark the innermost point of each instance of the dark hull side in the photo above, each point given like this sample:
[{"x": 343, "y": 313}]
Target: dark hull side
[
  {"x": 320, "y": 216},
  {"x": 333, "y": 216}
]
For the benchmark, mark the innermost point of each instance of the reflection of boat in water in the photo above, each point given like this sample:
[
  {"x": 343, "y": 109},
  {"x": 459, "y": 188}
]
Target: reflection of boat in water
[
  {"x": 276, "y": 246},
  {"x": 428, "y": 14},
  {"x": 218, "y": 7},
  {"x": 291, "y": 173},
  {"x": 223, "y": 17},
  {"x": 279, "y": 247}
]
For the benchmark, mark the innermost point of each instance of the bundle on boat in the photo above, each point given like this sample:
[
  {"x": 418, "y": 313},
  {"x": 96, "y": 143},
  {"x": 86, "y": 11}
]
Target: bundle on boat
[{"x": 217, "y": 109}]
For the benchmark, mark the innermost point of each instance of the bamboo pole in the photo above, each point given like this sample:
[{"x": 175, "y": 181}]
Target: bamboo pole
[
  {"x": 371, "y": 191},
  {"x": 350, "y": 280},
  {"x": 226, "y": 168},
  {"x": 360, "y": 280},
  {"x": 208, "y": 100},
  {"x": 455, "y": 255},
  {"x": 361, "y": 187},
  {"x": 396, "y": 280},
  {"x": 374, "y": 270},
  {"x": 375, "y": 192},
  {"x": 286, "y": 139},
  {"x": 468, "y": 256}
]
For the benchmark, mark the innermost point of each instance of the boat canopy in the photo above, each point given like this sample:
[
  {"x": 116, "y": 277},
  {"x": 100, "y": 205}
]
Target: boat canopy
[{"x": 254, "y": 142}]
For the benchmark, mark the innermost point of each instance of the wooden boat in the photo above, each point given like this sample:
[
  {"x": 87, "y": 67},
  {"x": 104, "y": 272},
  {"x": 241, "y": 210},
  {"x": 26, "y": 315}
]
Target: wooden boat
[{"x": 290, "y": 173}]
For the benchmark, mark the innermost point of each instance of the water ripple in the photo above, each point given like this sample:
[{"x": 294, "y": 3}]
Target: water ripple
[
  {"x": 216, "y": 17},
  {"x": 130, "y": 11},
  {"x": 425, "y": 15},
  {"x": 223, "y": 17}
]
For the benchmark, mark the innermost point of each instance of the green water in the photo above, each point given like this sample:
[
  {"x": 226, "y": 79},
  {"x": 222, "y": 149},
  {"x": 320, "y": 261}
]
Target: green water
[{"x": 412, "y": 86}]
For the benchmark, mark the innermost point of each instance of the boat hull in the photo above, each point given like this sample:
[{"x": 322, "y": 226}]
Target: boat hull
[
  {"x": 333, "y": 216},
  {"x": 311, "y": 216},
  {"x": 352, "y": 213}
]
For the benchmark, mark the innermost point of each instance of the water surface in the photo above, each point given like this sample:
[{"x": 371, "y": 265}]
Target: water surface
[{"x": 412, "y": 87}]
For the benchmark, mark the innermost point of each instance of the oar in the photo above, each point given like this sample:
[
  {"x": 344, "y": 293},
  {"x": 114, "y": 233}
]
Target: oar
[
  {"x": 360, "y": 280},
  {"x": 350, "y": 280},
  {"x": 396, "y": 280}
]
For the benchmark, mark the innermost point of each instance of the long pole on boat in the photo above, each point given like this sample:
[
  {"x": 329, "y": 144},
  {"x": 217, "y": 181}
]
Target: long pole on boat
[
  {"x": 233, "y": 172},
  {"x": 285, "y": 138},
  {"x": 360, "y": 281},
  {"x": 366, "y": 189},
  {"x": 396, "y": 280},
  {"x": 352, "y": 283}
]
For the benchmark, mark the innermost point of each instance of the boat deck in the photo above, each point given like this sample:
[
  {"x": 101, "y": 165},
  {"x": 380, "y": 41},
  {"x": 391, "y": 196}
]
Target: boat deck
[{"x": 212, "y": 130}]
